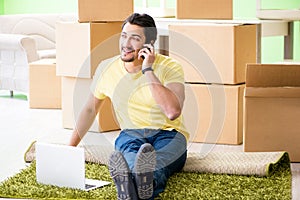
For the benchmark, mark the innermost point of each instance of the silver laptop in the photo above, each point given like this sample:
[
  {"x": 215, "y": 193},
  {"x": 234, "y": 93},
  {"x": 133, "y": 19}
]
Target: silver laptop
[{"x": 63, "y": 166}]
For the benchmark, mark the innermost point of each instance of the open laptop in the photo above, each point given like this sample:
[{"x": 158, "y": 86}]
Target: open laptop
[{"x": 63, "y": 166}]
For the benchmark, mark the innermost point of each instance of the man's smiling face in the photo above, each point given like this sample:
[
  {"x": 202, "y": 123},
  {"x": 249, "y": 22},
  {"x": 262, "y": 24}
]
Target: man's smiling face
[{"x": 131, "y": 41}]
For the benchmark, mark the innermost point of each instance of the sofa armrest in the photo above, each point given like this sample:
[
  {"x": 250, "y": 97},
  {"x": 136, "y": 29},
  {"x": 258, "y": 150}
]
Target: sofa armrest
[{"x": 17, "y": 42}]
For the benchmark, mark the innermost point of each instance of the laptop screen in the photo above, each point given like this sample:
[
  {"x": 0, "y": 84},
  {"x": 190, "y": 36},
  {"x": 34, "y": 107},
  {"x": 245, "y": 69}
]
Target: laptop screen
[{"x": 60, "y": 165}]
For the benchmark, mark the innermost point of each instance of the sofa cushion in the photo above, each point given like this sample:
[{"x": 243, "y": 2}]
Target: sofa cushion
[
  {"x": 25, "y": 38},
  {"x": 47, "y": 53},
  {"x": 41, "y": 27}
]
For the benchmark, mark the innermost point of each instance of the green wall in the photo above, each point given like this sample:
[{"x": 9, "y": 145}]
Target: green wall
[
  {"x": 156, "y": 3},
  {"x": 1, "y": 7},
  {"x": 39, "y": 6},
  {"x": 244, "y": 9},
  {"x": 297, "y": 41},
  {"x": 280, "y": 4},
  {"x": 272, "y": 47}
]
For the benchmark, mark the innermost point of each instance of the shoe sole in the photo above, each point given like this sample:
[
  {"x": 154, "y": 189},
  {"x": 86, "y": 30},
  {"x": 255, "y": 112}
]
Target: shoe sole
[
  {"x": 120, "y": 173},
  {"x": 143, "y": 170}
]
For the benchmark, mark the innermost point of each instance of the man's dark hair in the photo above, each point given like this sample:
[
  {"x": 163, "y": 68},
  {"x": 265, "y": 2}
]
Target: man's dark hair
[{"x": 145, "y": 21}]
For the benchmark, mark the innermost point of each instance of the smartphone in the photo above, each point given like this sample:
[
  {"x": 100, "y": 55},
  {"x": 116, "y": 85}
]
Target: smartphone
[{"x": 143, "y": 57}]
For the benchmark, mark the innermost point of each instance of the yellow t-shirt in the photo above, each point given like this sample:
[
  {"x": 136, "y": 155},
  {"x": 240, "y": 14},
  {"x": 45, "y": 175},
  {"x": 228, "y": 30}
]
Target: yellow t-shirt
[{"x": 130, "y": 93}]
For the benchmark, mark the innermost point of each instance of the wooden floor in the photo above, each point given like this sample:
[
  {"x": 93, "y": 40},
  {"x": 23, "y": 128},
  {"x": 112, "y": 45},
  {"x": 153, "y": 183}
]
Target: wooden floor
[{"x": 19, "y": 126}]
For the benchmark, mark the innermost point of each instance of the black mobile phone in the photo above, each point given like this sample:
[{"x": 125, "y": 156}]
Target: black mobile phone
[{"x": 143, "y": 57}]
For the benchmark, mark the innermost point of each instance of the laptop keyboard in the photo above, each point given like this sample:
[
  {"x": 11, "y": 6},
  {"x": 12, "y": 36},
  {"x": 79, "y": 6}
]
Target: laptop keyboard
[{"x": 88, "y": 186}]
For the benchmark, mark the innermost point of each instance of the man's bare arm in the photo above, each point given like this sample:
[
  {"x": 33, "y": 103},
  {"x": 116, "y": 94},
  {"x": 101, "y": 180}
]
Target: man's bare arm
[
  {"x": 170, "y": 98},
  {"x": 85, "y": 120}
]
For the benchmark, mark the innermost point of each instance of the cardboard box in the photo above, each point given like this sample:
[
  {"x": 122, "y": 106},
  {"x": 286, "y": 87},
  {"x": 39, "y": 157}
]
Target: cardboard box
[
  {"x": 204, "y": 9},
  {"x": 44, "y": 85},
  {"x": 272, "y": 109},
  {"x": 82, "y": 46},
  {"x": 214, "y": 113},
  {"x": 213, "y": 53},
  {"x": 75, "y": 94},
  {"x": 102, "y": 10}
]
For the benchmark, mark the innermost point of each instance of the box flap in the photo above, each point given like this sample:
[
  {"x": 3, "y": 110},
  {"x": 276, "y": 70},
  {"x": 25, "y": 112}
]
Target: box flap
[
  {"x": 272, "y": 92},
  {"x": 273, "y": 75},
  {"x": 209, "y": 24}
]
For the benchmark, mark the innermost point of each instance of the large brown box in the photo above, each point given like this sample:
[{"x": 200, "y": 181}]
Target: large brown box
[
  {"x": 44, "y": 85},
  {"x": 214, "y": 113},
  {"x": 204, "y": 9},
  {"x": 103, "y": 10},
  {"x": 272, "y": 109},
  {"x": 75, "y": 92},
  {"x": 82, "y": 46},
  {"x": 213, "y": 53}
]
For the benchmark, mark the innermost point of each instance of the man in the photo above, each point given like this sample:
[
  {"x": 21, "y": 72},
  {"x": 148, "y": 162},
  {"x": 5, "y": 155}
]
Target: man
[{"x": 147, "y": 92}]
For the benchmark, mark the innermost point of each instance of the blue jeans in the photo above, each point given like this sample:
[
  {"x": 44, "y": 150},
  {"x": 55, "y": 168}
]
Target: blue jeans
[{"x": 170, "y": 148}]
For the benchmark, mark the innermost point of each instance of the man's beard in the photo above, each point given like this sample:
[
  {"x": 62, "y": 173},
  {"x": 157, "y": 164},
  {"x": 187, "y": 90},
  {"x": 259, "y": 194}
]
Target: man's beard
[
  {"x": 128, "y": 59},
  {"x": 129, "y": 51}
]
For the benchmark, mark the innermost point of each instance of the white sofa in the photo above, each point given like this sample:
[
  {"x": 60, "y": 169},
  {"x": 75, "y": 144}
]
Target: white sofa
[{"x": 25, "y": 38}]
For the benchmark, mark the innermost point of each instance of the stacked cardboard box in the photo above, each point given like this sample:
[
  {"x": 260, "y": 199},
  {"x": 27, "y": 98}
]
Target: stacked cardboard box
[
  {"x": 103, "y": 10},
  {"x": 213, "y": 53},
  {"x": 213, "y": 113},
  {"x": 81, "y": 46},
  {"x": 214, "y": 58},
  {"x": 75, "y": 94},
  {"x": 45, "y": 86},
  {"x": 204, "y": 9},
  {"x": 272, "y": 109}
]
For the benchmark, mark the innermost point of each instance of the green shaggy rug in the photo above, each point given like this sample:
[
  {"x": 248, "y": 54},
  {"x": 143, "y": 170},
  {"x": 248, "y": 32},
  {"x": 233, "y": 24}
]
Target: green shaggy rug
[{"x": 183, "y": 185}]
